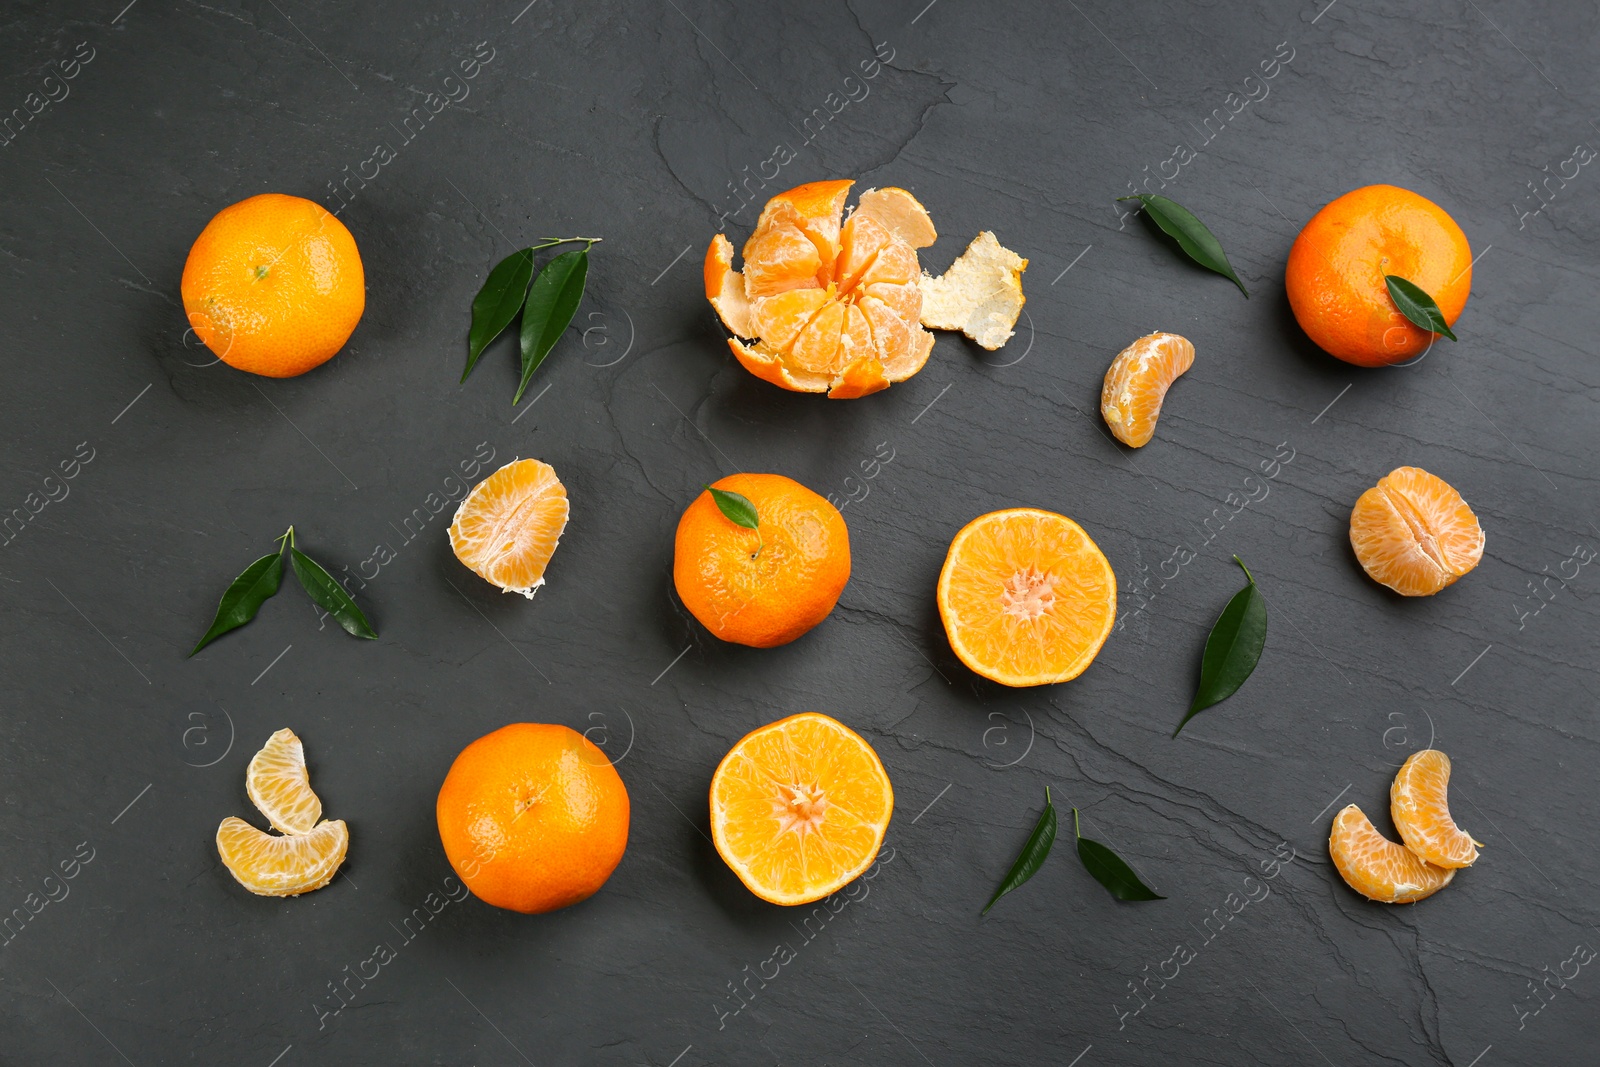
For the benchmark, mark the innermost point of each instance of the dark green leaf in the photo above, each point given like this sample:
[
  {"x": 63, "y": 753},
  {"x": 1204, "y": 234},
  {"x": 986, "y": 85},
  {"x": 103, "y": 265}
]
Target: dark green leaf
[
  {"x": 1179, "y": 223},
  {"x": 497, "y": 303},
  {"x": 1415, "y": 304},
  {"x": 552, "y": 301},
  {"x": 330, "y": 594},
  {"x": 244, "y": 597},
  {"x": 1109, "y": 869},
  {"x": 736, "y": 508},
  {"x": 1232, "y": 649},
  {"x": 1031, "y": 858}
]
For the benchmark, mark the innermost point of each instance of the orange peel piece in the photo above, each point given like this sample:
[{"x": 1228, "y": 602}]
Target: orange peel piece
[
  {"x": 980, "y": 295},
  {"x": 900, "y": 213}
]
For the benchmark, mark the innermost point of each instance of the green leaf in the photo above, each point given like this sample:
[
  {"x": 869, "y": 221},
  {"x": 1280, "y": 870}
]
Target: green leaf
[
  {"x": 552, "y": 301},
  {"x": 1109, "y": 869},
  {"x": 1232, "y": 649},
  {"x": 1415, "y": 304},
  {"x": 1179, "y": 223},
  {"x": 244, "y": 597},
  {"x": 330, "y": 594},
  {"x": 736, "y": 507},
  {"x": 1031, "y": 858},
  {"x": 497, "y": 303}
]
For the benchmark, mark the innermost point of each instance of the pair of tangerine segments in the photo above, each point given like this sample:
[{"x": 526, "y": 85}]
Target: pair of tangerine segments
[
  {"x": 309, "y": 851},
  {"x": 1434, "y": 849}
]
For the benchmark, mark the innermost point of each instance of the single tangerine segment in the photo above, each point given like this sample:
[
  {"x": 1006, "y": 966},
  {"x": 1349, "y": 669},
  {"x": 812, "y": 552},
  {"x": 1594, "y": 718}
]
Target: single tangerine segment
[
  {"x": 1137, "y": 381},
  {"x": 1413, "y": 533},
  {"x": 1420, "y": 805},
  {"x": 508, "y": 527},
  {"x": 799, "y": 808},
  {"x": 1376, "y": 867},
  {"x": 762, "y": 587},
  {"x": 279, "y": 786},
  {"x": 273, "y": 866},
  {"x": 1026, "y": 596}
]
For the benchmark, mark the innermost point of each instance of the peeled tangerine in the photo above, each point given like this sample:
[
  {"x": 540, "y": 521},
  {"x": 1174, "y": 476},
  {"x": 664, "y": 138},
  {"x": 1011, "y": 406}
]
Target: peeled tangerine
[
  {"x": 508, "y": 527},
  {"x": 825, "y": 305},
  {"x": 1137, "y": 382},
  {"x": 1413, "y": 533}
]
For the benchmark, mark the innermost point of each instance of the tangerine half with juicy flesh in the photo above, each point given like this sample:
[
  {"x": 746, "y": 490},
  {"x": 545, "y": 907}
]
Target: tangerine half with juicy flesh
[
  {"x": 274, "y": 285},
  {"x": 1335, "y": 274},
  {"x": 533, "y": 817},
  {"x": 508, "y": 527},
  {"x": 1419, "y": 803},
  {"x": 1026, "y": 596},
  {"x": 799, "y": 808},
  {"x": 767, "y": 586},
  {"x": 1376, "y": 867},
  {"x": 1136, "y": 383},
  {"x": 1413, "y": 533}
]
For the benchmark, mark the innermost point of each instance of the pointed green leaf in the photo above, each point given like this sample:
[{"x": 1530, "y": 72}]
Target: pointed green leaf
[
  {"x": 1179, "y": 223},
  {"x": 497, "y": 303},
  {"x": 330, "y": 594},
  {"x": 1109, "y": 869},
  {"x": 736, "y": 508},
  {"x": 244, "y": 597},
  {"x": 1233, "y": 648},
  {"x": 552, "y": 301},
  {"x": 1033, "y": 853},
  {"x": 1415, "y": 304}
]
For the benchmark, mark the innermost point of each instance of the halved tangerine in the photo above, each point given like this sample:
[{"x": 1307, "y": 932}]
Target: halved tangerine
[
  {"x": 1419, "y": 802},
  {"x": 277, "y": 782},
  {"x": 273, "y": 866},
  {"x": 1413, "y": 533},
  {"x": 508, "y": 527},
  {"x": 799, "y": 808},
  {"x": 1376, "y": 867},
  {"x": 1026, "y": 596}
]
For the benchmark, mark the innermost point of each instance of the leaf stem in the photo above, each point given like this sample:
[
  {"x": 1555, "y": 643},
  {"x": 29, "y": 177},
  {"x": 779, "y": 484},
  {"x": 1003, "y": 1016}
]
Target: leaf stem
[
  {"x": 288, "y": 535},
  {"x": 1075, "y": 831},
  {"x": 1246, "y": 570},
  {"x": 550, "y": 242}
]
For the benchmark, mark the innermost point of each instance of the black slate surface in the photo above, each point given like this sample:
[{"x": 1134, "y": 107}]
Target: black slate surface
[{"x": 633, "y": 121}]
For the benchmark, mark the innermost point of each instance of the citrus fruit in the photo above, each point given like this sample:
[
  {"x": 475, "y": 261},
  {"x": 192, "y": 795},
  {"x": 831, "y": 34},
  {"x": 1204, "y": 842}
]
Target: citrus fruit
[
  {"x": 1420, "y": 806},
  {"x": 1413, "y": 533},
  {"x": 273, "y": 285},
  {"x": 280, "y": 787},
  {"x": 533, "y": 817},
  {"x": 980, "y": 295},
  {"x": 1335, "y": 275},
  {"x": 766, "y": 586},
  {"x": 273, "y": 866},
  {"x": 799, "y": 808},
  {"x": 1376, "y": 867},
  {"x": 1137, "y": 382},
  {"x": 1026, "y": 596},
  {"x": 508, "y": 527}
]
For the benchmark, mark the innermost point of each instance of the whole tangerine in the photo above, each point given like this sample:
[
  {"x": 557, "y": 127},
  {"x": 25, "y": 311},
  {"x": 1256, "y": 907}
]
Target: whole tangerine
[
  {"x": 1335, "y": 275},
  {"x": 274, "y": 286},
  {"x": 765, "y": 586},
  {"x": 533, "y": 817}
]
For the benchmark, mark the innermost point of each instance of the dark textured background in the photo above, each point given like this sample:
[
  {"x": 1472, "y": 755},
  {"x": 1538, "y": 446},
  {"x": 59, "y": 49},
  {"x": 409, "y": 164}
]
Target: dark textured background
[{"x": 630, "y": 121}]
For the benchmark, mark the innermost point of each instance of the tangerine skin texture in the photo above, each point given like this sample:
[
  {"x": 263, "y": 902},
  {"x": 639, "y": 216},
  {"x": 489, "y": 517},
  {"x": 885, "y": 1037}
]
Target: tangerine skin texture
[
  {"x": 274, "y": 285},
  {"x": 533, "y": 817},
  {"x": 1335, "y": 273},
  {"x": 768, "y": 598}
]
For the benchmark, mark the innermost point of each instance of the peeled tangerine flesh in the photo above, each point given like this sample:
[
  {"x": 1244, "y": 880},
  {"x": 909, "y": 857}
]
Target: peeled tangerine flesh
[
  {"x": 980, "y": 295},
  {"x": 1376, "y": 867},
  {"x": 1137, "y": 382},
  {"x": 273, "y": 866},
  {"x": 1413, "y": 533},
  {"x": 278, "y": 784},
  {"x": 1419, "y": 802},
  {"x": 508, "y": 527}
]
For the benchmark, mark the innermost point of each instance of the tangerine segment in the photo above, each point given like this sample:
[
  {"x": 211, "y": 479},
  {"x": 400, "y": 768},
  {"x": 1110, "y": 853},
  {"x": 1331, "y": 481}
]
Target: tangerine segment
[
  {"x": 1334, "y": 276},
  {"x": 273, "y": 866},
  {"x": 1376, "y": 867},
  {"x": 1413, "y": 533},
  {"x": 799, "y": 808},
  {"x": 1137, "y": 382},
  {"x": 508, "y": 527},
  {"x": 1420, "y": 805},
  {"x": 1026, "y": 596},
  {"x": 279, "y": 786}
]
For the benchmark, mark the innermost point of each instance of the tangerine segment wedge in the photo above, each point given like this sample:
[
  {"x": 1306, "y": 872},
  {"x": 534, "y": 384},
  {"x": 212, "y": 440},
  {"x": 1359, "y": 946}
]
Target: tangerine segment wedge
[
  {"x": 1027, "y": 597},
  {"x": 273, "y": 866},
  {"x": 508, "y": 527},
  {"x": 1413, "y": 533},
  {"x": 799, "y": 808},
  {"x": 1419, "y": 802},
  {"x": 1376, "y": 867},
  {"x": 1137, "y": 381},
  {"x": 279, "y": 786}
]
